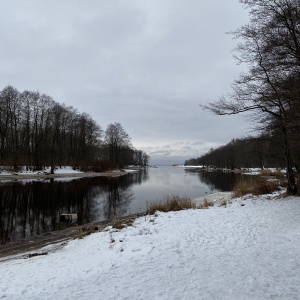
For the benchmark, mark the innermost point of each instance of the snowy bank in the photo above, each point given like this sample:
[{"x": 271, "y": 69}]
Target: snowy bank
[
  {"x": 248, "y": 250},
  {"x": 216, "y": 198},
  {"x": 23, "y": 171},
  {"x": 61, "y": 174}
]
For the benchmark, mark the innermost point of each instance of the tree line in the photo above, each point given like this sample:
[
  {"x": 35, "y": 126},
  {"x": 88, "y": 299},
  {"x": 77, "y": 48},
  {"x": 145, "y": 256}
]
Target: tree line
[
  {"x": 249, "y": 152},
  {"x": 37, "y": 132},
  {"x": 270, "y": 89}
]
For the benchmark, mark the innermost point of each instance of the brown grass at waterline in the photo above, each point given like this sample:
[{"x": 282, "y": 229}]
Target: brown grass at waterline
[
  {"x": 83, "y": 231},
  {"x": 120, "y": 223},
  {"x": 205, "y": 204},
  {"x": 171, "y": 203},
  {"x": 254, "y": 185},
  {"x": 277, "y": 174}
]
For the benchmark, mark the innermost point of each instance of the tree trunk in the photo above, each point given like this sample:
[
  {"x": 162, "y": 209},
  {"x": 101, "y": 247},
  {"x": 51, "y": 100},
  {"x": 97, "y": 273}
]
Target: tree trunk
[{"x": 291, "y": 185}]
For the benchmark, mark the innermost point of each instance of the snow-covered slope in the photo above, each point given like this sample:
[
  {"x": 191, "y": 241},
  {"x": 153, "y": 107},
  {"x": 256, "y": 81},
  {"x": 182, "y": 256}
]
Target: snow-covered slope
[{"x": 248, "y": 250}]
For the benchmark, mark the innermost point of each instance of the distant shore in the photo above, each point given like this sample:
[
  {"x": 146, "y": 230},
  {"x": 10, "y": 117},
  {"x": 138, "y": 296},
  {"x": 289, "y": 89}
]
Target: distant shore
[{"x": 21, "y": 176}]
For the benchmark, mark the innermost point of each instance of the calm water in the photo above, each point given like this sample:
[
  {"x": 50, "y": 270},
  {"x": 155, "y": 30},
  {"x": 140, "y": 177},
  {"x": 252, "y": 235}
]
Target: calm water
[{"x": 33, "y": 207}]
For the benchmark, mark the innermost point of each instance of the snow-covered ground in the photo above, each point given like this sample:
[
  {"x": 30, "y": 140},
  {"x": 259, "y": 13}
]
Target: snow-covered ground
[
  {"x": 62, "y": 170},
  {"x": 216, "y": 198},
  {"x": 249, "y": 249}
]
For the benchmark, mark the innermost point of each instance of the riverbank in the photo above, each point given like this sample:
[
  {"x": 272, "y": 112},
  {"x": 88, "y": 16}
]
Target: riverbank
[
  {"x": 43, "y": 176},
  {"x": 25, "y": 247},
  {"x": 57, "y": 239},
  {"x": 248, "y": 249}
]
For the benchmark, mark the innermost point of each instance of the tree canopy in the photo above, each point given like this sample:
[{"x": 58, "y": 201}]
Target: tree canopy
[{"x": 36, "y": 131}]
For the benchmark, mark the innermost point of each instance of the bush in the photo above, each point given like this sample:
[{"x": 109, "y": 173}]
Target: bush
[{"x": 255, "y": 185}]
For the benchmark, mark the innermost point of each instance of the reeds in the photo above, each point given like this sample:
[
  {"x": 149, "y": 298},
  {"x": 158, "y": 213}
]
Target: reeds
[
  {"x": 254, "y": 185},
  {"x": 171, "y": 203},
  {"x": 277, "y": 173}
]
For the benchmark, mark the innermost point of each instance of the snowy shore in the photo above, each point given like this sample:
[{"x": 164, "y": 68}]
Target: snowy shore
[
  {"x": 65, "y": 172},
  {"x": 246, "y": 250}
]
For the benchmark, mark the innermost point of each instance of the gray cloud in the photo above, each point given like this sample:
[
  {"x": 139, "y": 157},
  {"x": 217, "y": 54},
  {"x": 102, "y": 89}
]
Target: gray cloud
[{"x": 145, "y": 64}]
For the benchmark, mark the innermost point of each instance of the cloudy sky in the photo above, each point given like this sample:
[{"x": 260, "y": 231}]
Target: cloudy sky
[{"x": 146, "y": 64}]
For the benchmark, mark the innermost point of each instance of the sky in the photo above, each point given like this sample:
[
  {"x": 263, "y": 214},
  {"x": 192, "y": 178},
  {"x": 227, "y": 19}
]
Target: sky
[{"x": 146, "y": 64}]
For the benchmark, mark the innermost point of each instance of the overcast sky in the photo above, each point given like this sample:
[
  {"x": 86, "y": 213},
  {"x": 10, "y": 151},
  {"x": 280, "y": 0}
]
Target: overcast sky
[{"x": 146, "y": 64}]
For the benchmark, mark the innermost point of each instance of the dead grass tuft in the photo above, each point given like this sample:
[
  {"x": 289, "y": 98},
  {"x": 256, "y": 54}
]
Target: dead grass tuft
[
  {"x": 171, "y": 203},
  {"x": 205, "y": 204},
  {"x": 277, "y": 174},
  {"x": 83, "y": 231},
  {"x": 223, "y": 203},
  {"x": 255, "y": 185},
  {"x": 266, "y": 172},
  {"x": 119, "y": 223}
]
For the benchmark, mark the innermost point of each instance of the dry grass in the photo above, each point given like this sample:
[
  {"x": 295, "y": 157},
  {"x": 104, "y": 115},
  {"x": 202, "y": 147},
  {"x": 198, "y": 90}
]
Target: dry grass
[
  {"x": 266, "y": 172},
  {"x": 277, "y": 174},
  {"x": 83, "y": 231},
  {"x": 205, "y": 204},
  {"x": 171, "y": 203},
  {"x": 255, "y": 185},
  {"x": 120, "y": 223},
  {"x": 223, "y": 203}
]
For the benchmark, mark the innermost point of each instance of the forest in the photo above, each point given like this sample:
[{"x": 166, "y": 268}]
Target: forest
[
  {"x": 38, "y": 132},
  {"x": 269, "y": 47},
  {"x": 249, "y": 152}
]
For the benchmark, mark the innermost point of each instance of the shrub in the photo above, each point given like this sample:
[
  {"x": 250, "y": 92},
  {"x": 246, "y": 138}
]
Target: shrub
[
  {"x": 171, "y": 203},
  {"x": 255, "y": 185}
]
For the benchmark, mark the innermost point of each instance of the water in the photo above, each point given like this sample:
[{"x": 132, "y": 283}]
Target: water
[{"x": 30, "y": 208}]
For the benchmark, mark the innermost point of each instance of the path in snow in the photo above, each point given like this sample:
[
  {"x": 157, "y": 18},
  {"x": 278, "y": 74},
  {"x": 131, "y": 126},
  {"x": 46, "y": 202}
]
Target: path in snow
[{"x": 238, "y": 252}]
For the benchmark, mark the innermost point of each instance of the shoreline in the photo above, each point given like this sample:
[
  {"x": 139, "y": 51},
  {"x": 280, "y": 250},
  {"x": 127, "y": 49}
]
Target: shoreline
[
  {"x": 33, "y": 245},
  {"x": 58, "y": 238},
  {"x": 43, "y": 176}
]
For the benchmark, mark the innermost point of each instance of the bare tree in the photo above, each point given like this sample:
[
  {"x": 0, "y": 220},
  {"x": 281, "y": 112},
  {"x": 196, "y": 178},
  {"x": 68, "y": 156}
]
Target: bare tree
[
  {"x": 116, "y": 139},
  {"x": 271, "y": 87}
]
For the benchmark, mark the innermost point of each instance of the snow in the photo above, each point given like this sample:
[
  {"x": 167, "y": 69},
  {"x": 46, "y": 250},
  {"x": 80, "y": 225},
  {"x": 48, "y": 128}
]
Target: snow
[
  {"x": 216, "y": 198},
  {"x": 64, "y": 170},
  {"x": 246, "y": 250},
  {"x": 23, "y": 171}
]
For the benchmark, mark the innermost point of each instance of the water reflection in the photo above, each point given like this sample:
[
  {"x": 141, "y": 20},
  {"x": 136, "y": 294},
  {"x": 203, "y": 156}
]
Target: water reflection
[
  {"x": 30, "y": 208},
  {"x": 33, "y": 207},
  {"x": 217, "y": 180}
]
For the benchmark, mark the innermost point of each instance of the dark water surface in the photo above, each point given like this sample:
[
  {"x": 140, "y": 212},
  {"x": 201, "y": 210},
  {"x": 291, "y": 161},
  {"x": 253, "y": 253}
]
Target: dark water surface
[{"x": 30, "y": 207}]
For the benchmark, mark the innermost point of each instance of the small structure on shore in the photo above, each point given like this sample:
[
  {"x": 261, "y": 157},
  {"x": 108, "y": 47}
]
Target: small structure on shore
[{"x": 68, "y": 218}]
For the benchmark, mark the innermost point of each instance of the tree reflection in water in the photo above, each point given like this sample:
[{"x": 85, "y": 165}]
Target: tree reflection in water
[
  {"x": 30, "y": 208},
  {"x": 223, "y": 181}
]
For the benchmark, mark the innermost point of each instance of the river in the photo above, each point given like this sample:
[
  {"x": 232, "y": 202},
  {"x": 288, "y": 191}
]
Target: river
[{"x": 29, "y": 207}]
